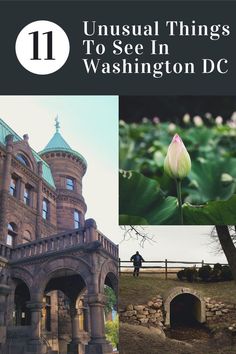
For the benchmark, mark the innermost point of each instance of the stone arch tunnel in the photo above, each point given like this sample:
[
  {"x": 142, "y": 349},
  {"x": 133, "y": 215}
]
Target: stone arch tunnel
[{"x": 184, "y": 306}]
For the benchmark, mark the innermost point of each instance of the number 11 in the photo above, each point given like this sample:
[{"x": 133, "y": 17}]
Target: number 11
[{"x": 36, "y": 46}]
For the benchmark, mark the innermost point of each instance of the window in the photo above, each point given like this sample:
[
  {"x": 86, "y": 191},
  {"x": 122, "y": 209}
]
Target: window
[
  {"x": 76, "y": 219},
  {"x": 23, "y": 159},
  {"x": 13, "y": 185},
  {"x": 70, "y": 183},
  {"x": 11, "y": 233},
  {"x": 45, "y": 212},
  {"x": 27, "y": 195}
]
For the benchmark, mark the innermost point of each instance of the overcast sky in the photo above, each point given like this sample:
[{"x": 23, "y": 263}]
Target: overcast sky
[
  {"x": 90, "y": 125},
  {"x": 176, "y": 243}
]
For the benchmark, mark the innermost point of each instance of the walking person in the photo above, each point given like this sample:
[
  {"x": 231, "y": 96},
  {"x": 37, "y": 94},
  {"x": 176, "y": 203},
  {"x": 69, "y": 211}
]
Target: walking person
[{"x": 137, "y": 262}]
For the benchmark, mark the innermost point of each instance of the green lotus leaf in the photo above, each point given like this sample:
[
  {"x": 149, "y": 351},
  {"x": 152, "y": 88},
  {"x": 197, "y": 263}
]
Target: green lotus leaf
[
  {"x": 141, "y": 200},
  {"x": 211, "y": 180},
  {"x": 212, "y": 213}
]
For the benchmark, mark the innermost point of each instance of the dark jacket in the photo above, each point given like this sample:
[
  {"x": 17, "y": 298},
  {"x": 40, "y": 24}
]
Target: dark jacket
[{"x": 137, "y": 260}]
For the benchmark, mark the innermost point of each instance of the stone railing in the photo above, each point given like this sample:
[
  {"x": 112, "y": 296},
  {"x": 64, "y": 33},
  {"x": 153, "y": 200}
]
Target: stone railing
[
  {"x": 108, "y": 245},
  {"x": 55, "y": 243},
  {"x": 49, "y": 244},
  {"x": 5, "y": 251}
]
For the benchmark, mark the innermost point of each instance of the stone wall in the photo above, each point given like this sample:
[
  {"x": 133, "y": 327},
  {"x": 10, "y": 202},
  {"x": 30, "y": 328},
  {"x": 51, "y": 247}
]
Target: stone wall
[
  {"x": 217, "y": 311},
  {"x": 153, "y": 314}
]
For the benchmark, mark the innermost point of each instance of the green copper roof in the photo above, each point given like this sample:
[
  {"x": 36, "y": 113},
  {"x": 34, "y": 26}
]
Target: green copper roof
[
  {"x": 6, "y": 130},
  {"x": 58, "y": 143}
]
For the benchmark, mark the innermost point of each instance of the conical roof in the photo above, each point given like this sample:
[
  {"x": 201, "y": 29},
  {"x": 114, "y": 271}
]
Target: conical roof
[
  {"x": 57, "y": 144},
  {"x": 57, "y": 141}
]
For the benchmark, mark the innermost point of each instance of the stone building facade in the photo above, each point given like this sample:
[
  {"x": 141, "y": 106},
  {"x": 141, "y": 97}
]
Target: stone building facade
[{"x": 54, "y": 264}]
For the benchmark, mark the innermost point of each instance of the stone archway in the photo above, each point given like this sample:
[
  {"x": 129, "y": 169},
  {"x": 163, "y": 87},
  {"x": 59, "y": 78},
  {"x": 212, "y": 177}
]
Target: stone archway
[
  {"x": 21, "y": 312},
  {"x": 59, "y": 283},
  {"x": 61, "y": 267},
  {"x": 109, "y": 276},
  {"x": 184, "y": 299}
]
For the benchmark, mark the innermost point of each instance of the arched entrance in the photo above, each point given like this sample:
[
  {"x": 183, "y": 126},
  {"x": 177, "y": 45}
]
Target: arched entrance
[
  {"x": 63, "y": 313},
  {"x": 184, "y": 305},
  {"x": 21, "y": 313},
  {"x": 185, "y": 309}
]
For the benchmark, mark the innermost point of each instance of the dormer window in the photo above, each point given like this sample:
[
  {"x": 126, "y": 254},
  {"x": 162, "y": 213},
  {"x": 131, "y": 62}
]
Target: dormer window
[
  {"x": 23, "y": 159},
  {"x": 70, "y": 183}
]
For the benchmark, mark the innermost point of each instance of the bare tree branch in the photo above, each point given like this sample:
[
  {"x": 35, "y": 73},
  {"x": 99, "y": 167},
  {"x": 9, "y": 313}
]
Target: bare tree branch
[
  {"x": 215, "y": 238},
  {"x": 138, "y": 233}
]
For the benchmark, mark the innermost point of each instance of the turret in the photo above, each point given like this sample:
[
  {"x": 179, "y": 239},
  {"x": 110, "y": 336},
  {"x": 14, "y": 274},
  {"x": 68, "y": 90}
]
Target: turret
[{"x": 68, "y": 168}]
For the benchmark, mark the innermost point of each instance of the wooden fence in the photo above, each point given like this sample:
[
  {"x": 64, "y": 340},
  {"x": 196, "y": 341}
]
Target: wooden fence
[{"x": 162, "y": 267}]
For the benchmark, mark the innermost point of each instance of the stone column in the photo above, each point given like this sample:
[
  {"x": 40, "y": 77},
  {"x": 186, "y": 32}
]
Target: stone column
[
  {"x": 39, "y": 200},
  {"x": 4, "y": 291},
  {"x": 36, "y": 313},
  {"x": 86, "y": 316},
  {"x": 90, "y": 230},
  {"x": 5, "y": 188},
  {"x": 98, "y": 343},
  {"x": 7, "y": 164},
  {"x": 21, "y": 189},
  {"x": 76, "y": 346},
  {"x": 36, "y": 344}
]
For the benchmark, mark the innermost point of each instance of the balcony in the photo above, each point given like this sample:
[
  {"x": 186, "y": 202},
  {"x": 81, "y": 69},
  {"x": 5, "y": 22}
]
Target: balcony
[{"x": 57, "y": 243}]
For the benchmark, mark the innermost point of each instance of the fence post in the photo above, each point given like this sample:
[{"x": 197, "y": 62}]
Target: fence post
[
  {"x": 202, "y": 263},
  {"x": 166, "y": 269}
]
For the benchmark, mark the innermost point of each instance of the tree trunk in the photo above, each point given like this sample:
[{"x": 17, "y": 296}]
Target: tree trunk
[{"x": 227, "y": 246}]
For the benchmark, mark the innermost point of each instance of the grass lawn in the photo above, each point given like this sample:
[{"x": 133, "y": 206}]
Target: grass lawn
[{"x": 140, "y": 290}]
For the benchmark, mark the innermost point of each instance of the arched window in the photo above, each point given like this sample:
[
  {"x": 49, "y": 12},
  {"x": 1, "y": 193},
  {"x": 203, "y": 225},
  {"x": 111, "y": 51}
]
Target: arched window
[
  {"x": 76, "y": 219},
  {"x": 45, "y": 211},
  {"x": 26, "y": 236},
  {"x": 23, "y": 159},
  {"x": 11, "y": 233},
  {"x": 70, "y": 183}
]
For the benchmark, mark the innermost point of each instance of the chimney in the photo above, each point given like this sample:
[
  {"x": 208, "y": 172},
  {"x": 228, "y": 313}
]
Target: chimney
[{"x": 26, "y": 138}]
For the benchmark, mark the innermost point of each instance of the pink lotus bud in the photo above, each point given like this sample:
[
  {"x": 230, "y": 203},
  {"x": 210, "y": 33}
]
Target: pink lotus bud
[
  {"x": 197, "y": 120},
  {"x": 177, "y": 163},
  {"x": 156, "y": 120},
  {"x": 219, "y": 120}
]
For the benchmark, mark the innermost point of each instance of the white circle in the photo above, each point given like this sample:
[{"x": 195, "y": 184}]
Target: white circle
[{"x": 34, "y": 50}]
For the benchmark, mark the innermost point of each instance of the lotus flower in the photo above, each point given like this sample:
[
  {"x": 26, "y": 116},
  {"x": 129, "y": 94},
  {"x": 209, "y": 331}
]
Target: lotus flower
[
  {"x": 197, "y": 120},
  {"x": 186, "y": 118},
  {"x": 177, "y": 163}
]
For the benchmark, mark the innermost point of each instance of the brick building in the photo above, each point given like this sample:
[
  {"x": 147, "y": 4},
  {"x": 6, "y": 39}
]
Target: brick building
[{"x": 54, "y": 263}]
